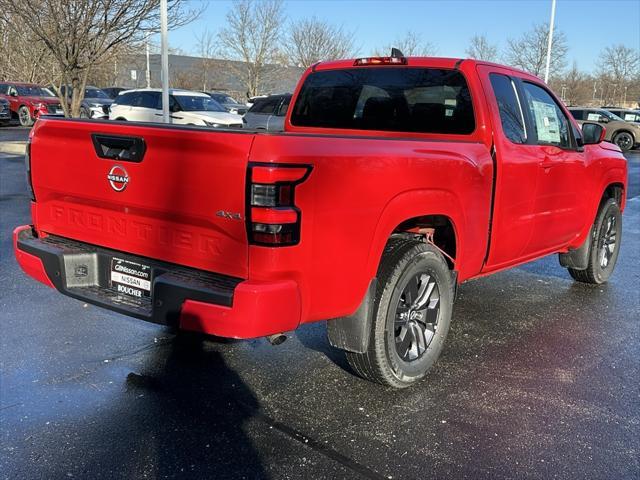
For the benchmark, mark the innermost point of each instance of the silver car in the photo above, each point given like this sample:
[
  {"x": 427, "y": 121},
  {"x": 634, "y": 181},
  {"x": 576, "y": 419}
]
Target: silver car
[{"x": 268, "y": 113}]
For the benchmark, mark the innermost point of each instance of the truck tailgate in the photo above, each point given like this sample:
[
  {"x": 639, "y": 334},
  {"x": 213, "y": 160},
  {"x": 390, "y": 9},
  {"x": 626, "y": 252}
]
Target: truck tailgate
[{"x": 183, "y": 202}]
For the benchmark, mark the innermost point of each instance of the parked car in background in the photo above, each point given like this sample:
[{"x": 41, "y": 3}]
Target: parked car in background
[
  {"x": 113, "y": 92},
  {"x": 625, "y": 135},
  {"x": 252, "y": 100},
  {"x": 268, "y": 113},
  {"x": 28, "y": 101},
  {"x": 628, "y": 115},
  {"x": 95, "y": 103},
  {"x": 186, "y": 108},
  {"x": 5, "y": 112},
  {"x": 229, "y": 103}
]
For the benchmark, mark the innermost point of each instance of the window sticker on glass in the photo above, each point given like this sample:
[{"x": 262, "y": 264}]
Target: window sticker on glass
[
  {"x": 547, "y": 122},
  {"x": 594, "y": 117}
]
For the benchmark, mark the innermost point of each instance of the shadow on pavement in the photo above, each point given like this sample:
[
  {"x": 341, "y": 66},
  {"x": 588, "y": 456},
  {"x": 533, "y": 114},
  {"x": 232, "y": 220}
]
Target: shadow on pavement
[{"x": 189, "y": 415}]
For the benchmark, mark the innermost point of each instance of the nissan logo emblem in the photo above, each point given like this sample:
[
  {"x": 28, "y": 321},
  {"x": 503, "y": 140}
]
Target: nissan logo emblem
[{"x": 118, "y": 178}]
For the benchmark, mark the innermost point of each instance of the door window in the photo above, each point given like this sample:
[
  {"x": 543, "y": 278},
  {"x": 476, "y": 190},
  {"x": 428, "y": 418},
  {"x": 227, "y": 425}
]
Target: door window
[
  {"x": 266, "y": 106},
  {"x": 550, "y": 124},
  {"x": 282, "y": 110},
  {"x": 149, "y": 100},
  {"x": 511, "y": 115},
  {"x": 594, "y": 117},
  {"x": 4, "y": 89},
  {"x": 577, "y": 114}
]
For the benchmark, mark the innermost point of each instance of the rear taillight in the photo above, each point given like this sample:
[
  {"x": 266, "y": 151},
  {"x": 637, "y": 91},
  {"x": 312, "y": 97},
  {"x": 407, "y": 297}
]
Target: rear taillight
[
  {"x": 27, "y": 165},
  {"x": 273, "y": 219}
]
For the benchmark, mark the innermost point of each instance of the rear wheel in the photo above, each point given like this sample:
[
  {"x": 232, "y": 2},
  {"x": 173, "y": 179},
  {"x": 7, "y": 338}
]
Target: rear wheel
[
  {"x": 411, "y": 316},
  {"x": 624, "y": 140},
  {"x": 24, "y": 116},
  {"x": 605, "y": 245}
]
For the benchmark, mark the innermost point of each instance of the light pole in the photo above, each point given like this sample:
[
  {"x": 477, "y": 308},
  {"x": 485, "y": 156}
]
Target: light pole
[
  {"x": 148, "y": 73},
  {"x": 164, "y": 47},
  {"x": 550, "y": 42},
  {"x": 564, "y": 89}
]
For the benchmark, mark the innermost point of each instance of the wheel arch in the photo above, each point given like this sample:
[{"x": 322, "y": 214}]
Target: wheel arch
[{"x": 410, "y": 211}]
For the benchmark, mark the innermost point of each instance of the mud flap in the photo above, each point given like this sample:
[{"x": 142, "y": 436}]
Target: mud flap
[
  {"x": 578, "y": 259},
  {"x": 352, "y": 333}
]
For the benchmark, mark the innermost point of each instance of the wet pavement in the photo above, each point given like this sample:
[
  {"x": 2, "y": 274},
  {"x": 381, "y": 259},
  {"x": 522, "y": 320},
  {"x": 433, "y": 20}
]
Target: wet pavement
[{"x": 539, "y": 378}]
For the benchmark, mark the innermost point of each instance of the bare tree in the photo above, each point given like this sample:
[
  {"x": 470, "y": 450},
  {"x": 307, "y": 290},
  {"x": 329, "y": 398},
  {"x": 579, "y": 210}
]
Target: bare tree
[
  {"x": 573, "y": 86},
  {"x": 81, "y": 33},
  {"x": 480, "y": 49},
  {"x": 207, "y": 47},
  {"x": 619, "y": 70},
  {"x": 252, "y": 36},
  {"x": 311, "y": 40},
  {"x": 529, "y": 52},
  {"x": 411, "y": 45},
  {"x": 24, "y": 57}
]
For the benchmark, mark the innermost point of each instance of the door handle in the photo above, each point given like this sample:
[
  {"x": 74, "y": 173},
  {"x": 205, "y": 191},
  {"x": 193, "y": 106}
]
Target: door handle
[{"x": 117, "y": 147}]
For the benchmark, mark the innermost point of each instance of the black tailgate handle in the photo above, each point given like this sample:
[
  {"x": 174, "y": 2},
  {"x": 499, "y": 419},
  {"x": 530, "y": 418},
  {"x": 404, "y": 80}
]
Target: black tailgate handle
[{"x": 117, "y": 147}]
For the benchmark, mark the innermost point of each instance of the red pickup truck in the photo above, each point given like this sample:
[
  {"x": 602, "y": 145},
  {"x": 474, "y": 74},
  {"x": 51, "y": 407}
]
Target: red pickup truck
[{"x": 395, "y": 180}]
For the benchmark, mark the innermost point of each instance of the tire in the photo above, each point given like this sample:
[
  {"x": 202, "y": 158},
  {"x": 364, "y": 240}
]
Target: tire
[
  {"x": 405, "y": 342},
  {"x": 24, "y": 116},
  {"x": 624, "y": 140},
  {"x": 605, "y": 245}
]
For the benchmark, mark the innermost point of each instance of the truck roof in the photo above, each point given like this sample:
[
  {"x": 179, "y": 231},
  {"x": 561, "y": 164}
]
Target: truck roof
[{"x": 435, "y": 62}]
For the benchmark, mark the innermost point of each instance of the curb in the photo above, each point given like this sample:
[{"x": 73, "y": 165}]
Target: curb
[{"x": 14, "y": 148}]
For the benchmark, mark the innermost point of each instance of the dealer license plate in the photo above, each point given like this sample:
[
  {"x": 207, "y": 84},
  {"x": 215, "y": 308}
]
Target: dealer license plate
[{"x": 130, "y": 278}]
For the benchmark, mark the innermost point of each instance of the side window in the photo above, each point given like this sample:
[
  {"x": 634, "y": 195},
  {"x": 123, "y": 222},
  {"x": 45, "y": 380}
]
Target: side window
[
  {"x": 594, "y": 116},
  {"x": 511, "y": 115},
  {"x": 577, "y": 114},
  {"x": 148, "y": 100},
  {"x": 551, "y": 126},
  {"x": 4, "y": 88},
  {"x": 174, "y": 106},
  {"x": 124, "y": 99},
  {"x": 266, "y": 106},
  {"x": 282, "y": 110}
]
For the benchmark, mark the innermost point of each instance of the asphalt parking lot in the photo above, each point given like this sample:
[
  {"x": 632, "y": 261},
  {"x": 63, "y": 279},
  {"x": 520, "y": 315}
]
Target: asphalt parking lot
[{"x": 539, "y": 379}]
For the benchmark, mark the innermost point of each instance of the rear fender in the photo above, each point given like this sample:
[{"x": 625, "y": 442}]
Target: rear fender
[{"x": 411, "y": 204}]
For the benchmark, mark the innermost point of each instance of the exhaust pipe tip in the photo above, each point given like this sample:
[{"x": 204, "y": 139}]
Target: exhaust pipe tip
[{"x": 276, "y": 339}]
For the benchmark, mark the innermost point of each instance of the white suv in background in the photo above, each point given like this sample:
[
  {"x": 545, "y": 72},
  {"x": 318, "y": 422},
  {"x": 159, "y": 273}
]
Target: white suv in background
[{"x": 185, "y": 107}]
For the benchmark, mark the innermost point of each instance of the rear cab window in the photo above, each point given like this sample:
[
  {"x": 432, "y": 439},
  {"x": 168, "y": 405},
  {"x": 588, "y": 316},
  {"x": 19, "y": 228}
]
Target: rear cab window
[{"x": 392, "y": 99}]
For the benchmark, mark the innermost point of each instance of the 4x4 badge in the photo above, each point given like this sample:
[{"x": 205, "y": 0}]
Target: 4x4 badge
[{"x": 118, "y": 178}]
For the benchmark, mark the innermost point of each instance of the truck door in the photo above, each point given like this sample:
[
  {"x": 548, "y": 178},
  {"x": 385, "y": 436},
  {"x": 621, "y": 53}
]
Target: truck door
[
  {"x": 516, "y": 165},
  {"x": 558, "y": 209}
]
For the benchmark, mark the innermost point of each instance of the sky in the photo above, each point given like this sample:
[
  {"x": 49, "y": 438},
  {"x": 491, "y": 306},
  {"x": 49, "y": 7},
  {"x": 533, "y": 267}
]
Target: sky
[{"x": 589, "y": 25}]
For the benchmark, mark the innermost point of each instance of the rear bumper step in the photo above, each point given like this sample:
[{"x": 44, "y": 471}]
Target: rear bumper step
[
  {"x": 191, "y": 299},
  {"x": 82, "y": 271}
]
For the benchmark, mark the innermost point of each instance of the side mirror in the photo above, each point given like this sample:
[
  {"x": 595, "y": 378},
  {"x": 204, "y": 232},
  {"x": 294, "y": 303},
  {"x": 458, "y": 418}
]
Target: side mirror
[
  {"x": 13, "y": 93},
  {"x": 174, "y": 108},
  {"x": 592, "y": 133}
]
